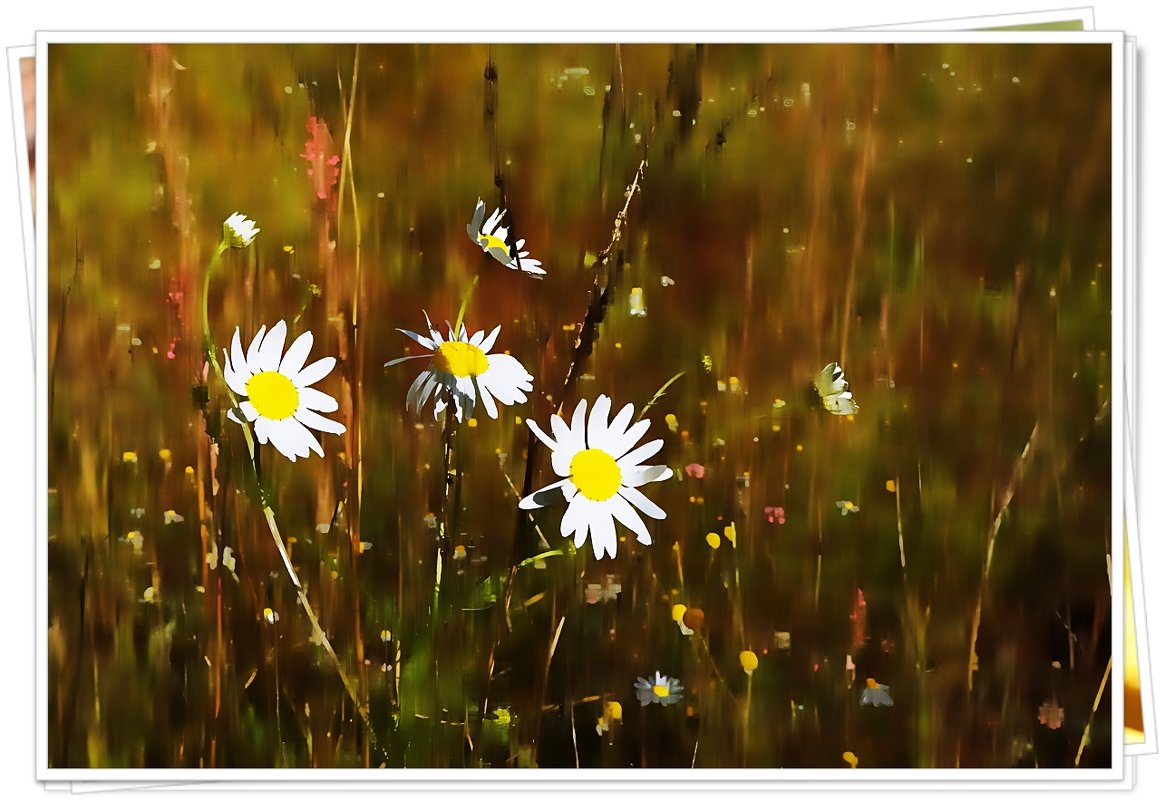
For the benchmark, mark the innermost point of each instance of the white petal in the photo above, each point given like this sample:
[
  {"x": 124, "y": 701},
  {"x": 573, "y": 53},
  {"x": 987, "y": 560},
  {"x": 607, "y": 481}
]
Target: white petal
[
  {"x": 487, "y": 400},
  {"x": 297, "y": 354},
  {"x": 474, "y": 227},
  {"x": 642, "y": 502},
  {"x": 492, "y": 222},
  {"x": 620, "y": 445},
  {"x": 564, "y": 435},
  {"x": 319, "y": 422},
  {"x": 538, "y": 432},
  {"x": 249, "y": 411},
  {"x": 638, "y": 476},
  {"x": 560, "y": 460},
  {"x": 271, "y": 351},
  {"x": 262, "y": 430},
  {"x": 394, "y": 362},
  {"x": 507, "y": 379},
  {"x": 231, "y": 415},
  {"x": 597, "y": 423},
  {"x": 306, "y": 442},
  {"x": 317, "y": 401},
  {"x": 236, "y": 381},
  {"x": 238, "y": 360},
  {"x": 283, "y": 437},
  {"x": 475, "y": 340},
  {"x": 488, "y": 342},
  {"x": 314, "y": 372},
  {"x": 636, "y": 457},
  {"x": 618, "y": 426},
  {"x": 424, "y": 342},
  {"x": 542, "y": 497},
  {"x": 576, "y": 520},
  {"x": 603, "y": 540},
  {"x": 626, "y": 514},
  {"x": 578, "y": 423},
  {"x": 467, "y": 388},
  {"x": 528, "y": 265},
  {"x": 253, "y": 351},
  {"x": 415, "y": 390},
  {"x": 431, "y": 389},
  {"x": 436, "y": 337}
]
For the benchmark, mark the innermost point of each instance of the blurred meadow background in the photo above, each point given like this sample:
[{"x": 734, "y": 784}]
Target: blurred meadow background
[{"x": 935, "y": 217}]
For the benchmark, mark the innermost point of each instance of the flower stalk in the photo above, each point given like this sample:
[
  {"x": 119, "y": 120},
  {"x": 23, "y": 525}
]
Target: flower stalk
[{"x": 232, "y": 239}]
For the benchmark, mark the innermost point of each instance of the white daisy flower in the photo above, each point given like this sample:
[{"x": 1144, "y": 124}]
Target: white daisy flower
[
  {"x": 601, "y": 471},
  {"x": 660, "y": 690},
  {"x": 279, "y": 398},
  {"x": 462, "y": 368},
  {"x": 238, "y": 231},
  {"x": 491, "y": 238}
]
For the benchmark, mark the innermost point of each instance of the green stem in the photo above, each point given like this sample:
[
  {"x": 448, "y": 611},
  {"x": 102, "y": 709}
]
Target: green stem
[
  {"x": 465, "y": 303},
  {"x": 318, "y": 634}
]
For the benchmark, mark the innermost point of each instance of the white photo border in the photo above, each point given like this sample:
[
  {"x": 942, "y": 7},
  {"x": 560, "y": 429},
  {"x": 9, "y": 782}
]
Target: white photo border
[{"x": 1098, "y": 778}]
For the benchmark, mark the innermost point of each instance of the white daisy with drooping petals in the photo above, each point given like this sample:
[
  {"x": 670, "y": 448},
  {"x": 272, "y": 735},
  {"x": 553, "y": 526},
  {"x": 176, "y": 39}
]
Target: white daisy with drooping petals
[
  {"x": 491, "y": 238},
  {"x": 280, "y": 400},
  {"x": 461, "y": 368},
  {"x": 601, "y": 471}
]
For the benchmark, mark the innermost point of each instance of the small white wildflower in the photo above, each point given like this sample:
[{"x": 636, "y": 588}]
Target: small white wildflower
[{"x": 238, "y": 231}]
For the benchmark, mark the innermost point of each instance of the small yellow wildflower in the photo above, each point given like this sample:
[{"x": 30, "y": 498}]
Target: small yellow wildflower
[
  {"x": 713, "y": 540},
  {"x": 614, "y": 710},
  {"x": 672, "y": 422},
  {"x": 891, "y": 486},
  {"x": 677, "y": 612},
  {"x": 748, "y": 661},
  {"x": 164, "y": 454},
  {"x": 129, "y": 457},
  {"x": 850, "y": 759}
]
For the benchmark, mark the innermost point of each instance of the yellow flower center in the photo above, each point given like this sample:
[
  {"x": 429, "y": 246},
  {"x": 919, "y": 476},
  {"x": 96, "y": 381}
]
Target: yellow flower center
[
  {"x": 596, "y": 474},
  {"x": 460, "y": 359},
  {"x": 273, "y": 395},
  {"x": 873, "y": 685},
  {"x": 491, "y": 241},
  {"x": 660, "y": 690}
]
